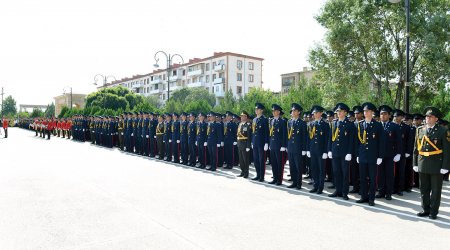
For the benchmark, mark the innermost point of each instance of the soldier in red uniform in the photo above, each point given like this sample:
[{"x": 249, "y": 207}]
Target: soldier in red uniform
[{"x": 5, "y": 127}]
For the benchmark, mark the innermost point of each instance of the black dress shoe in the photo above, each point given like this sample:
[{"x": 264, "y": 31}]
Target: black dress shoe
[
  {"x": 432, "y": 216},
  {"x": 278, "y": 183},
  {"x": 292, "y": 186},
  {"x": 319, "y": 191},
  {"x": 241, "y": 175},
  {"x": 371, "y": 203},
  {"x": 423, "y": 214},
  {"x": 246, "y": 176},
  {"x": 345, "y": 197},
  {"x": 261, "y": 180},
  {"x": 380, "y": 195},
  {"x": 354, "y": 191},
  {"x": 388, "y": 197},
  {"x": 332, "y": 187},
  {"x": 314, "y": 190},
  {"x": 272, "y": 182},
  {"x": 362, "y": 200},
  {"x": 299, "y": 187},
  {"x": 311, "y": 182},
  {"x": 255, "y": 178},
  {"x": 400, "y": 193},
  {"x": 333, "y": 194}
]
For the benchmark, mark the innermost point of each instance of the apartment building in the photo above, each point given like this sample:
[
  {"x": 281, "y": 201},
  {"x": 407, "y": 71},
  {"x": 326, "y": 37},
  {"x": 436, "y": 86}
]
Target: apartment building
[
  {"x": 291, "y": 79},
  {"x": 223, "y": 71}
]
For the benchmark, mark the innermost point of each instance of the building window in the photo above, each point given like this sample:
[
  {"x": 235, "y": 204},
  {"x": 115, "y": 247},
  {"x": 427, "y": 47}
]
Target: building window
[
  {"x": 217, "y": 88},
  {"x": 214, "y": 64},
  {"x": 151, "y": 78},
  {"x": 184, "y": 72},
  {"x": 200, "y": 79},
  {"x": 207, "y": 78},
  {"x": 174, "y": 72},
  {"x": 239, "y": 64},
  {"x": 156, "y": 86},
  {"x": 239, "y": 90},
  {"x": 221, "y": 75},
  {"x": 214, "y": 77},
  {"x": 250, "y": 78},
  {"x": 239, "y": 77},
  {"x": 251, "y": 66},
  {"x": 148, "y": 89},
  {"x": 207, "y": 67}
]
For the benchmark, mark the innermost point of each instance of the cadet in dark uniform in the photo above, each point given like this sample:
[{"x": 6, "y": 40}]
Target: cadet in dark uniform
[
  {"x": 220, "y": 131},
  {"x": 184, "y": 143},
  {"x": 152, "y": 134},
  {"x": 192, "y": 140},
  {"x": 145, "y": 134},
  {"x": 260, "y": 141},
  {"x": 319, "y": 132},
  {"x": 168, "y": 136},
  {"x": 370, "y": 153},
  {"x": 297, "y": 145},
  {"x": 341, "y": 145},
  {"x": 244, "y": 135},
  {"x": 431, "y": 160},
  {"x": 277, "y": 145},
  {"x": 393, "y": 144},
  {"x": 214, "y": 139},
  {"x": 175, "y": 129},
  {"x": 399, "y": 183},
  {"x": 202, "y": 127},
  {"x": 230, "y": 141},
  {"x": 160, "y": 129},
  {"x": 354, "y": 166}
]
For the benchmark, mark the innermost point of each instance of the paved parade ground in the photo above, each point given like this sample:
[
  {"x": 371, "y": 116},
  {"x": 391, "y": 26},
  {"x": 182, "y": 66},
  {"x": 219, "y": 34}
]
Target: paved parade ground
[{"x": 61, "y": 194}]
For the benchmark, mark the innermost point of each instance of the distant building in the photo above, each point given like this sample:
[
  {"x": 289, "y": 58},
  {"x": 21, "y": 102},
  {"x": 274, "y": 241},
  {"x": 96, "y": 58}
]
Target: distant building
[
  {"x": 218, "y": 73},
  {"x": 290, "y": 79},
  {"x": 77, "y": 100}
]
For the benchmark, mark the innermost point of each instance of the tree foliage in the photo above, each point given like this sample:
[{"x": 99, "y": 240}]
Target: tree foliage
[{"x": 9, "y": 106}]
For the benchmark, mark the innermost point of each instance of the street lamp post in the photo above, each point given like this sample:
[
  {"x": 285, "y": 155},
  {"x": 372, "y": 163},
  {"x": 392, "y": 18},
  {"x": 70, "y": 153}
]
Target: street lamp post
[
  {"x": 169, "y": 59},
  {"x": 71, "y": 95},
  {"x": 408, "y": 75},
  {"x": 105, "y": 79}
]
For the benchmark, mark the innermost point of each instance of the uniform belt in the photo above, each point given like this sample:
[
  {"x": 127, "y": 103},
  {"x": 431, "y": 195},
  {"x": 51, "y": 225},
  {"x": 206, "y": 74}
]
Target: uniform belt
[
  {"x": 437, "y": 152},
  {"x": 242, "y": 138},
  {"x": 159, "y": 133}
]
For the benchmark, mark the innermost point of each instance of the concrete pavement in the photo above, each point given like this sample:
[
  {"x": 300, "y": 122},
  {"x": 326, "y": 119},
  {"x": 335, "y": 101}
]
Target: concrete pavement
[{"x": 61, "y": 194}]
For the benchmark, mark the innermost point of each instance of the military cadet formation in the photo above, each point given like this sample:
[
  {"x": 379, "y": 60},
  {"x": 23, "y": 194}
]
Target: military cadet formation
[{"x": 380, "y": 152}]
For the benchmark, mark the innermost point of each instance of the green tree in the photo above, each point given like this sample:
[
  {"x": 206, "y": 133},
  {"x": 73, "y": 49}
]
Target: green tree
[
  {"x": 9, "y": 106},
  {"x": 36, "y": 113},
  {"x": 364, "y": 49},
  {"x": 50, "y": 110},
  {"x": 228, "y": 103}
]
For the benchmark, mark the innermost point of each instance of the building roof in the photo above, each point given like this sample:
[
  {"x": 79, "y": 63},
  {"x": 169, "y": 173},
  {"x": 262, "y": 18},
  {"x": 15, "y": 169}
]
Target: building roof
[{"x": 192, "y": 61}]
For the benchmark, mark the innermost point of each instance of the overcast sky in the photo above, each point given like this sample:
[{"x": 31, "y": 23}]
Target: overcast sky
[{"x": 46, "y": 45}]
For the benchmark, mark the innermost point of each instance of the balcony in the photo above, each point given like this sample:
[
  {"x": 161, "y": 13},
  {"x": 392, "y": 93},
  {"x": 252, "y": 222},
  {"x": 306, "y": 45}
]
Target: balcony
[
  {"x": 137, "y": 85},
  {"x": 195, "y": 72},
  {"x": 220, "y": 67},
  {"x": 156, "y": 81},
  {"x": 155, "y": 91},
  {"x": 174, "y": 78},
  {"x": 175, "y": 87},
  {"x": 195, "y": 84},
  {"x": 220, "y": 92},
  {"x": 219, "y": 80}
]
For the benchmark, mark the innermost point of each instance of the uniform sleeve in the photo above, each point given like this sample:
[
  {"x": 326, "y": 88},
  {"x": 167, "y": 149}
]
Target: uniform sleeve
[
  {"x": 326, "y": 131},
  {"x": 266, "y": 130},
  {"x": 351, "y": 138},
  {"x": 446, "y": 151},
  {"x": 356, "y": 140},
  {"x": 304, "y": 136},
  {"x": 330, "y": 141},
  {"x": 219, "y": 132},
  {"x": 398, "y": 140},
  {"x": 249, "y": 140},
  {"x": 381, "y": 142}
]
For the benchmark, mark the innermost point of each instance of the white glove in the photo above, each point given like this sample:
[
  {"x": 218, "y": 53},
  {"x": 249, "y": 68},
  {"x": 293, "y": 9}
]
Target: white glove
[
  {"x": 379, "y": 161},
  {"x": 218, "y": 145},
  {"x": 444, "y": 171},
  {"x": 247, "y": 149},
  {"x": 121, "y": 133},
  {"x": 396, "y": 158},
  {"x": 357, "y": 159},
  {"x": 407, "y": 155},
  {"x": 146, "y": 136},
  {"x": 170, "y": 141},
  {"x": 330, "y": 155},
  {"x": 252, "y": 145},
  {"x": 205, "y": 144},
  {"x": 221, "y": 144},
  {"x": 132, "y": 134},
  {"x": 348, "y": 157},
  {"x": 83, "y": 130},
  {"x": 303, "y": 152},
  {"x": 266, "y": 147},
  {"x": 308, "y": 154},
  {"x": 416, "y": 169},
  {"x": 235, "y": 143},
  {"x": 178, "y": 141},
  {"x": 324, "y": 156},
  {"x": 154, "y": 136},
  {"x": 196, "y": 144},
  {"x": 282, "y": 149}
]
